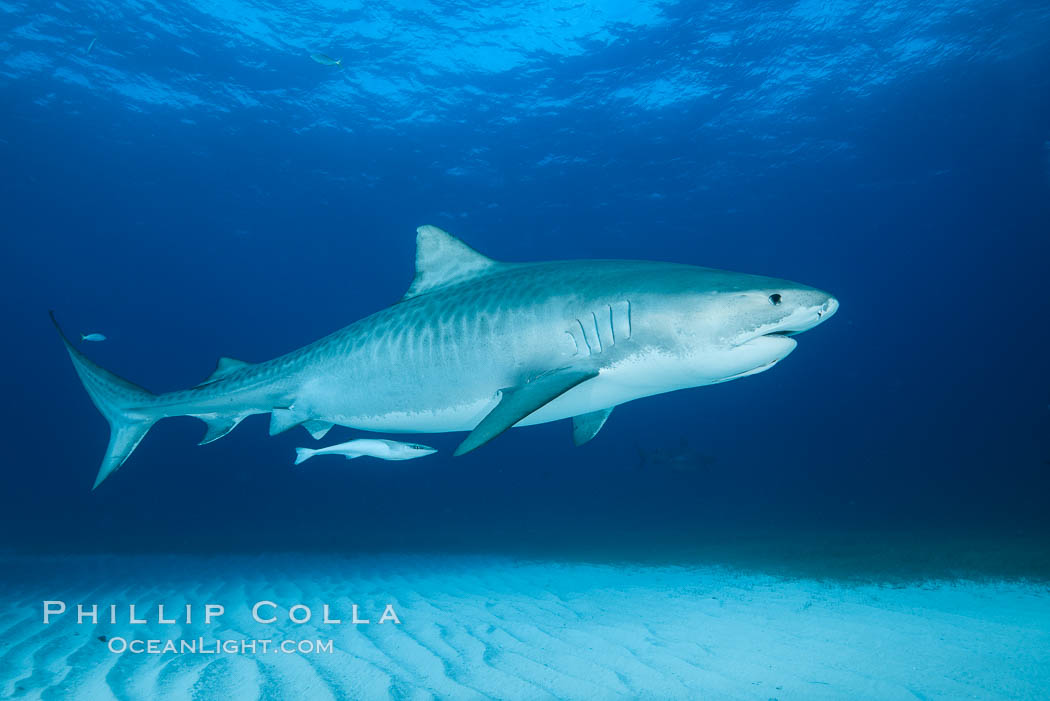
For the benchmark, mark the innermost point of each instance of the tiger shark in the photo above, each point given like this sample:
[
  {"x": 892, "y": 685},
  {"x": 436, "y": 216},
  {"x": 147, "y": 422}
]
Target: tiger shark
[{"x": 481, "y": 345}]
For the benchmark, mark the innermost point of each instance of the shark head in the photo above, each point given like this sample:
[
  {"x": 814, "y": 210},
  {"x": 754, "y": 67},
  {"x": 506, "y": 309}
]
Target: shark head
[{"x": 737, "y": 325}]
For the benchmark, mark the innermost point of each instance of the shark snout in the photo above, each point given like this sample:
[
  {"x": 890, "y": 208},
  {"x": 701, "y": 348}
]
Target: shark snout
[
  {"x": 809, "y": 314},
  {"x": 826, "y": 310},
  {"x": 801, "y": 312}
]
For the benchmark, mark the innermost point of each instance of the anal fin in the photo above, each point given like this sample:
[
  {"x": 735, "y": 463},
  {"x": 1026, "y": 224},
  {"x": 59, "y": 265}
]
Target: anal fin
[
  {"x": 586, "y": 426},
  {"x": 218, "y": 427},
  {"x": 518, "y": 402}
]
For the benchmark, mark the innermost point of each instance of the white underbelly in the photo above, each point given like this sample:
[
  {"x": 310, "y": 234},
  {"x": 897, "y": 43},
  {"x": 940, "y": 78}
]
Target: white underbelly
[
  {"x": 632, "y": 378},
  {"x": 622, "y": 382},
  {"x": 458, "y": 418}
]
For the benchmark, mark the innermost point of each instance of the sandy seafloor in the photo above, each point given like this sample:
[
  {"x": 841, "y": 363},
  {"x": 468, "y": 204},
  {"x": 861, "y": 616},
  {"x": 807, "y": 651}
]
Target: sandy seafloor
[{"x": 476, "y": 627}]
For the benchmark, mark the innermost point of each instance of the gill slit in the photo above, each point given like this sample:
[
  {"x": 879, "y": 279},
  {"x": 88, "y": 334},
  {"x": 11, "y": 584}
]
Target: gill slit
[
  {"x": 583, "y": 333},
  {"x": 575, "y": 342}
]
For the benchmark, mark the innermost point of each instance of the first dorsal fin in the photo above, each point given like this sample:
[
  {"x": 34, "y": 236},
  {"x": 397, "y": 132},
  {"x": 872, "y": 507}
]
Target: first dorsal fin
[
  {"x": 224, "y": 367},
  {"x": 442, "y": 259}
]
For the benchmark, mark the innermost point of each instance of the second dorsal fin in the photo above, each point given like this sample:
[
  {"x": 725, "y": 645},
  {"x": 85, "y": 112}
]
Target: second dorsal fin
[{"x": 224, "y": 367}]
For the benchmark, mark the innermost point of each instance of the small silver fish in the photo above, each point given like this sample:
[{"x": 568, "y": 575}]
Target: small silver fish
[
  {"x": 92, "y": 337},
  {"x": 372, "y": 447},
  {"x": 91, "y": 45},
  {"x": 326, "y": 60}
]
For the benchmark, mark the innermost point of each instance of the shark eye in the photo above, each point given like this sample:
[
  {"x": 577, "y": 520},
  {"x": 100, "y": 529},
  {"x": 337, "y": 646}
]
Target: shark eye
[{"x": 774, "y": 299}]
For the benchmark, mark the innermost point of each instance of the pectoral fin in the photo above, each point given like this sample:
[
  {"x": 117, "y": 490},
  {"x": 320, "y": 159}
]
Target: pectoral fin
[
  {"x": 518, "y": 402},
  {"x": 586, "y": 426}
]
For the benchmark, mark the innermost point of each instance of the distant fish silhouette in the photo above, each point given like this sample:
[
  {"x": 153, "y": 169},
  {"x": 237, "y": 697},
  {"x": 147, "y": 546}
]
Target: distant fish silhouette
[
  {"x": 92, "y": 337},
  {"x": 681, "y": 459},
  {"x": 91, "y": 45},
  {"x": 326, "y": 60}
]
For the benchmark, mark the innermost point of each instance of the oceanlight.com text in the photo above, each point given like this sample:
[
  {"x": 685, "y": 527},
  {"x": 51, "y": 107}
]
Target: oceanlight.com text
[{"x": 200, "y": 646}]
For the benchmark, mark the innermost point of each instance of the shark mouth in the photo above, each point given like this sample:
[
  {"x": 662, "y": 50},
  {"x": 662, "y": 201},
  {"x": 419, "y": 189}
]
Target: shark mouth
[
  {"x": 753, "y": 371},
  {"x": 784, "y": 331}
]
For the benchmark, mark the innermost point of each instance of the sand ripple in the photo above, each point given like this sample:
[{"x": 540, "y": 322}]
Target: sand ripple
[{"x": 497, "y": 628}]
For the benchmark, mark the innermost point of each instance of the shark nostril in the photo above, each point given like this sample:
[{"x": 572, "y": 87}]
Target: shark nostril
[
  {"x": 774, "y": 299},
  {"x": 828, "y": 308}
]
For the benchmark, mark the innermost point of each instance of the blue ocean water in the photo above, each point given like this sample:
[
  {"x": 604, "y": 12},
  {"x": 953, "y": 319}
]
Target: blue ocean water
[{"x": 185, "y": 179}]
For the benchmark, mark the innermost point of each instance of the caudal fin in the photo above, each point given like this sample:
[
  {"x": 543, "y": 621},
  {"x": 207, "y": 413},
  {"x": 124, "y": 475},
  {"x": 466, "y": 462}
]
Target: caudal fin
[
  {"x": 125, "y": 406},
  {"x": 303, "y": 454}
]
